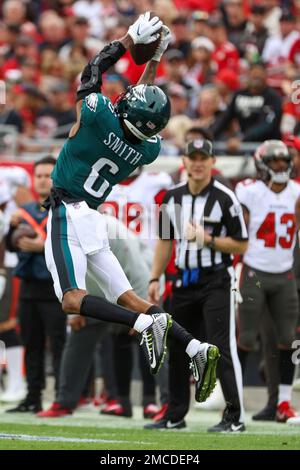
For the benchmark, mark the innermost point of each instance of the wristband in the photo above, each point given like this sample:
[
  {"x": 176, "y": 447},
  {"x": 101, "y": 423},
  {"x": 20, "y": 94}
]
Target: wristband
[{"x": 155, "y": 279}]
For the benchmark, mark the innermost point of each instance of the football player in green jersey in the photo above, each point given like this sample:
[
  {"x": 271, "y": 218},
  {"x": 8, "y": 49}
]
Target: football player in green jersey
[{"x": 106, "y": 144}]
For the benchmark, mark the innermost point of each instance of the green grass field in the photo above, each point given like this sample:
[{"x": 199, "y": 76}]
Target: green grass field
[{"x": 89, "y": 430}]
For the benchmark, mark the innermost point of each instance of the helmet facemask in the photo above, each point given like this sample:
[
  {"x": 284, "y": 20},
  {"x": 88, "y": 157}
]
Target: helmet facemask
[{"x": 273, "y": 150}]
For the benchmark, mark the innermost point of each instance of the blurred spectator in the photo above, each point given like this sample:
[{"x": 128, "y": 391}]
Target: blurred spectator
[
  {"x": 9, "y": 34},
  {"x": 206, "y": 5},
  {"x": 257, "y": 108},
  {"x": 53, "y": 30},
  {"x": 256, "y": 33},
  {"x": 198, "y": 26},
  {"x": 28, "y": 101},
  {"x": 30, "y": 71},
  {"x": 80, "y": 36},
  {"x": 23, "y": 49},
  {"x": 175, "y": 131},
  {"x": 76, "y": 62},
  {"x": 202, "y": 67},
  {"x": 227, "y": 82},
  {"x": 235, "y": 21},
  {"x": 180, "y": 35},
  {"x": 95, "y": 12},
  {"x": 113, "y": 85},
  {"x": 179, "y": 99},
  {"x": 278, "y": 49},
  {"x": 56, "y": 119},
  {"x": 208, "y": 108},
  {"x": 14, "y": 11},
  {"x": 31, "y": 30},
  {"x": 273, "y": 12},
  {"x": 291, "y": 107},
  {"x": 176, "y": 71},
  {"x": 225, "y": 54},
  {"x": 8, "y": 114},
  {"x": 51, "y": 65}
]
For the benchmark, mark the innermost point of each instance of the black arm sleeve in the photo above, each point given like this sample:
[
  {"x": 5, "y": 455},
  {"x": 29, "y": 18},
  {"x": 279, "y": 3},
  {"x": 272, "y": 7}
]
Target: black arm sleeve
[
  {"x": 268, "y": 125},
  {"x": 91, "y": 77}
]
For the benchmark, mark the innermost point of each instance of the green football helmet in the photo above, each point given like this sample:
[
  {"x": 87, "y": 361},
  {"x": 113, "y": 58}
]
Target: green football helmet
[{"x": 145, "y": 110}]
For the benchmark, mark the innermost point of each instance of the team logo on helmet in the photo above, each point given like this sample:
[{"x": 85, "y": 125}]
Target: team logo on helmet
[{"x": 139, "y": 92}]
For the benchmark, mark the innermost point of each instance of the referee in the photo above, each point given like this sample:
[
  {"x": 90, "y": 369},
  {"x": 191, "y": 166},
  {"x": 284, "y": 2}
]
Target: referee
[{"x": 206, "y": 220}]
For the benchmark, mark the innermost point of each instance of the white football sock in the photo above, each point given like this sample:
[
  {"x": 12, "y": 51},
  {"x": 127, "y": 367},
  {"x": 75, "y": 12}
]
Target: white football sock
[
  {"x": 14, "y": 359},
  {"x": 142, "y": 322},
  {"x": 193, "y": 347},
  {"x": 285, "y": 393}
]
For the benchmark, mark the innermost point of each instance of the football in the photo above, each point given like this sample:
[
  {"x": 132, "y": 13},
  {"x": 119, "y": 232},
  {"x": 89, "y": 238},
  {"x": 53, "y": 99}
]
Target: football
[
  {"x": 23, "y": 230},
  {"x": 142, "y": 53}
]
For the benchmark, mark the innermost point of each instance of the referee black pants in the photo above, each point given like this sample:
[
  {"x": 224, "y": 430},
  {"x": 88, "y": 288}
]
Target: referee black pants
[{"x": 207, "y": 312}]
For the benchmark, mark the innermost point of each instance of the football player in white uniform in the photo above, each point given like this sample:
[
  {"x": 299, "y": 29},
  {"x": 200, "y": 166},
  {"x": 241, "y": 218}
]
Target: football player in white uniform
[
  {"x": 134, "y": 202},
  {"x": 267, "y": 278},
  {"x": 14, "y": 189}
]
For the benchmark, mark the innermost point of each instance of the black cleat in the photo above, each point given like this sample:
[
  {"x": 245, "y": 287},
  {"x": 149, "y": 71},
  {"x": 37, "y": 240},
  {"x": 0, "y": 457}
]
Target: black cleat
[
  {"x": 268, "y": 413},
  {"x": 228, "y": 427},
  {"x": 26, "y": 406},
  {"x": 166, "y": 424}
]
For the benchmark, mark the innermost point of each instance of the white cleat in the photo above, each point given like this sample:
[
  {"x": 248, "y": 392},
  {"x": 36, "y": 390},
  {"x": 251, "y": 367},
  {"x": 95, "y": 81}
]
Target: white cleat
[{"x": 294, "y": 421}]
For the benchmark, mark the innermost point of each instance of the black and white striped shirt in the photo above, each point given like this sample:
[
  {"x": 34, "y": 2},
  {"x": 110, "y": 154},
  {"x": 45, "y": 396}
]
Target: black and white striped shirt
[{"x": 216, "y": 208}]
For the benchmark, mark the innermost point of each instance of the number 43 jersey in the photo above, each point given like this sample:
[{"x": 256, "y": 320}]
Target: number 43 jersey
[
  {"x": 99, "y": 155},
  {"x": 272, "y": 225}
]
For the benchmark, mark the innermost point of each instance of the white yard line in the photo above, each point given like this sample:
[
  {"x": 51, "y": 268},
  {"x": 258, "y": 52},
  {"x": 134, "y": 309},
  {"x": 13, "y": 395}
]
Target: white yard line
[{"x": 29, "y": 437}]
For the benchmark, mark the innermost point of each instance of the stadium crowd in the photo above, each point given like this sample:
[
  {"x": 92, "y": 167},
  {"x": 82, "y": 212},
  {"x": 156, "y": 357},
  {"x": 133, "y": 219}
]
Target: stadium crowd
[
  {"x": 231, "y": 73},
  {"x": 217, "y": 48}
]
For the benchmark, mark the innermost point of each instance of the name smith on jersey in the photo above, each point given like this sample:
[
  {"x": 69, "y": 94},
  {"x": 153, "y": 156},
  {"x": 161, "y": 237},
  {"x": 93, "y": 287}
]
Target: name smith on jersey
[{"x": 122, "y": 149}]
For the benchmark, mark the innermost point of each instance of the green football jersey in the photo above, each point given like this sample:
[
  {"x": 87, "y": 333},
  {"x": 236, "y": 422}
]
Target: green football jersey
[{"x": 99, "y": 155}]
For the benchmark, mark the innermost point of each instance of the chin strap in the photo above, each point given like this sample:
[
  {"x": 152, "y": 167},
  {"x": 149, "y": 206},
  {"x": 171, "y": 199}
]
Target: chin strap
[{"x": 91, "y": 77}]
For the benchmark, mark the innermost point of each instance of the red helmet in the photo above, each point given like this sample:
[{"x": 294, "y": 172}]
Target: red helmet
[{"x": 272, "y": 150}]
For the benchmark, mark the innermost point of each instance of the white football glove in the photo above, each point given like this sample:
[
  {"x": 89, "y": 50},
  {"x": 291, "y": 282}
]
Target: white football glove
[
  {"x": 166, "y": 37},
  {"x": 2, "y": 285},
  {"x": 144, "y": 30}
]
